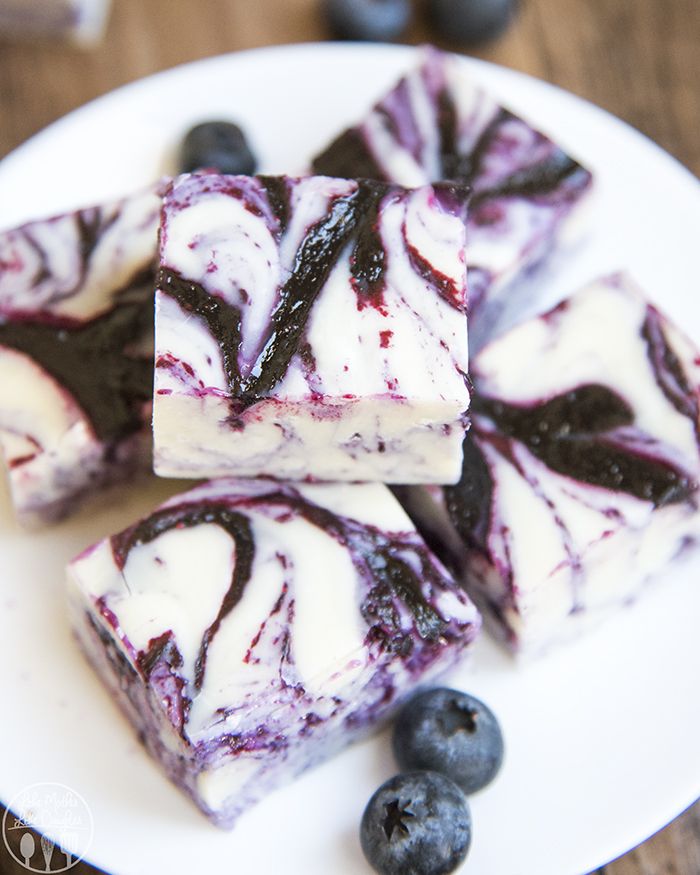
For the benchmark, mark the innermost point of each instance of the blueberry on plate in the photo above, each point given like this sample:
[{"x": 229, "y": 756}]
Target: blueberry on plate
[
  {"x": 449, "y": 732},
  {"x": 367, "y": 19},
  {"x": 416, "y": 824},
  {"x": 470, "y": 21},
  {"x": 217, "y": 145}
]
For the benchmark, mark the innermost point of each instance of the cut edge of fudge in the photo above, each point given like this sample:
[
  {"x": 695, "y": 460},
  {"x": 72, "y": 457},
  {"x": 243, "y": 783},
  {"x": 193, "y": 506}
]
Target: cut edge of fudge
[
  {"x": 266, "y": 672},
  {"x": 76, "y": 305},
  {"x": 347, "y": 363},
  {"x": 436, "y": 123},
  {"x": 600, "y": 465}
]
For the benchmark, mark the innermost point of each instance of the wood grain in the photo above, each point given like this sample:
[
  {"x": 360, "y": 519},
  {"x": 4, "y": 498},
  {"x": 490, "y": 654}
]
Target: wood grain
[{"x": 639, "y": 59}]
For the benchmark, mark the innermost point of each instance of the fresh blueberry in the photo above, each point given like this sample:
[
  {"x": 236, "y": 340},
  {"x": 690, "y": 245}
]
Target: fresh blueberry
[
  {"x": 375, "y": 20},
  {"x": 218, "y": 146},
  {"x": 470, "y": 21},
  {"x": 417, "y": 823},
  {"x": 452, "y": 733}
]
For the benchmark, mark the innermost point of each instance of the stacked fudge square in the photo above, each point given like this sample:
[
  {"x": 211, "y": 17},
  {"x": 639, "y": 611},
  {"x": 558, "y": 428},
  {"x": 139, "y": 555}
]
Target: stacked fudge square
[
  {"x": 311, "y": 329},
  {"x": 311, "y": 347}
]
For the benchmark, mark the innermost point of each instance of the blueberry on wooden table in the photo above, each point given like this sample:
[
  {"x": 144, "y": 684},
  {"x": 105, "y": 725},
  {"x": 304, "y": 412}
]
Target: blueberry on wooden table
[
  {"x": 217, "y": 145},
  {"x": 470, "y": 21},
  {"x": 452, "y": 733},
  {"x": 416, "y": 824},
  {"x": 375, "y": 20}
]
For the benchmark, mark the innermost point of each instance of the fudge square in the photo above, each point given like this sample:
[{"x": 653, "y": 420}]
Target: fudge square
[
  {"x": 248, "y": 630},
  {"x": 437, "y": 123},
  {"x": 76, "y": 352},
  {"x": 581, "y": 469},
  {"x": 311, "y": 329}
]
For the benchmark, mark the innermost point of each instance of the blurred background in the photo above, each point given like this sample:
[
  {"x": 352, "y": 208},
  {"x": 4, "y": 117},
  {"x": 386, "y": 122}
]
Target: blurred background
[{"x": 639, "y": 59}]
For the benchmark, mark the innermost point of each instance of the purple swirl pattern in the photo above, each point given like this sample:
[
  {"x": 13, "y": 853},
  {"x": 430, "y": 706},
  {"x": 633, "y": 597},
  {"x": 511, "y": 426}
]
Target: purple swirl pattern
[{"x": 313, "y": 611}]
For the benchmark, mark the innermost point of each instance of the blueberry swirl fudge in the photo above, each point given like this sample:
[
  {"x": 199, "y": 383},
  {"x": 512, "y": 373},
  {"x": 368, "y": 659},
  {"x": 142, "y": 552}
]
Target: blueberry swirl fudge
[
  {"x": 76, "y": 352},
  {"x": 581, "y": 470},
  {"x": 436, "y": 123},
  {"x": 250, "y": 629},
  {"x": 311, "y": 328}
]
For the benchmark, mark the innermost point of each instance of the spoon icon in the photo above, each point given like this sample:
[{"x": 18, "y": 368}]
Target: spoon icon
[{"x": 27, "y": 846}]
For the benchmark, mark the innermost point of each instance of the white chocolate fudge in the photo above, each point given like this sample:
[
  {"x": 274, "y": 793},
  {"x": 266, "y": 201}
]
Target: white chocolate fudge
[
  {"x": 311, "y": 329},
  {"x": 581, "y": 470},
  {"x": 437, "y": 123},
  {"x": 78, "y": 20},
  {"x": 248, "y": 630},
  {"x": 76, "y": 352}
]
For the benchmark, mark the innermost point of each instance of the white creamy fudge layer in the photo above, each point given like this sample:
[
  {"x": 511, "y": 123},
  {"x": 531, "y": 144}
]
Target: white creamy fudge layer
[
  {"x": 80, "y": 20},
  {"x": 311, "y": 328},
  {"x": 581, "y": 471},
  {"x": 76, "y": 352},
  {"x": 249, "y": 629},
  {"x": 437, "y": 123}
]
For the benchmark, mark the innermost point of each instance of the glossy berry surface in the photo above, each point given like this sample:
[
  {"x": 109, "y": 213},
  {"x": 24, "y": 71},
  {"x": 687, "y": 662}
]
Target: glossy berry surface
[
  {"x": 449, "y": 732},
  {"x": 416, "y": 823},
  {"x": 217, "y": 145},
  {"x": 470, "y": 21},
  {"x": 374, "y": 20}
]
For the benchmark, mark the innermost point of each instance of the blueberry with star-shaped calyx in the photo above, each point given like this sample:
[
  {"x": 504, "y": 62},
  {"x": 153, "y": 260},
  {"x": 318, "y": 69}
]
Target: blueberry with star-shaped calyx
[
  {"x": 416, "y": 823},
  {"x": 449, "y": 732}
]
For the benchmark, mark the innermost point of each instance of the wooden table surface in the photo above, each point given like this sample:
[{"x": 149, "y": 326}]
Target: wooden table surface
[{"x": 640, "y": 59}]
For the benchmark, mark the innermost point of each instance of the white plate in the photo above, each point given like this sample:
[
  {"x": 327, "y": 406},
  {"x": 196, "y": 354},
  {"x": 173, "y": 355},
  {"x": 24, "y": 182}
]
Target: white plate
[{"x": 602, "y": 735}]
